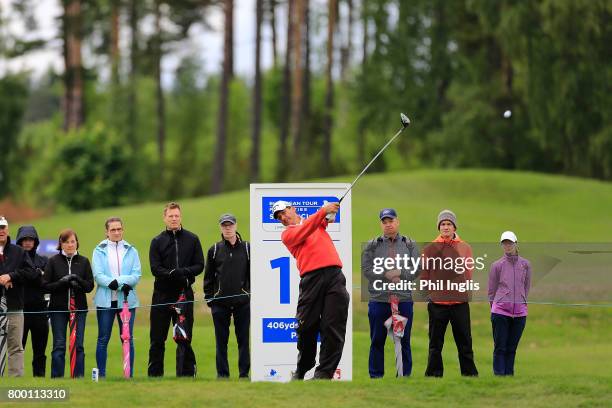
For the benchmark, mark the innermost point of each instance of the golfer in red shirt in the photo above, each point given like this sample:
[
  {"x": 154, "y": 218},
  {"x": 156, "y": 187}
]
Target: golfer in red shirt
[{"x": 323, "y": 301}]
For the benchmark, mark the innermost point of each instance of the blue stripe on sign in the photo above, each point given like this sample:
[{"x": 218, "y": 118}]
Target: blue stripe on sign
[{"x": 280, "y": 330}]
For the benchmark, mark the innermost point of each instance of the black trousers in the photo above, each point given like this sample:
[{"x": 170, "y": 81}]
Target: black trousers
[
  {"x": 459, "y": 317},
  {"x": 38, "y": 325},
  {"x": 222, "y": 315},
  {"x": 160, "y": 319},
  {"x": 322, "y": 308}
]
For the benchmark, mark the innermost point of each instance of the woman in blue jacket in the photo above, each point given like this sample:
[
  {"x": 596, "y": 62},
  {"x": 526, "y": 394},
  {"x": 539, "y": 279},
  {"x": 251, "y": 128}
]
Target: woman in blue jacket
[{"x": 116, "y": 269}]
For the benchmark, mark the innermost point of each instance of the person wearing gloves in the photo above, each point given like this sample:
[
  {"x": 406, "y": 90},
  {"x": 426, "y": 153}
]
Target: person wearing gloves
[
  {"x": 176, "y": 259},
  {"x": 447, "y": 305},
  {"x": 35, "y": 319},
  {"x": 117, "y": 271},
  {"x": 227, "y": 279},
  {"x": 67, "y": 274},
  {"x": 509, "y": 283},
  {"x": 323, "y": 300},
  {"x": 390, "y": 244},
  {"x": 12, "y": 277}
]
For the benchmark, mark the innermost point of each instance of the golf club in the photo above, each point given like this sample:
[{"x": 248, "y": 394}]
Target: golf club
[{"x": 405, "y": 122}]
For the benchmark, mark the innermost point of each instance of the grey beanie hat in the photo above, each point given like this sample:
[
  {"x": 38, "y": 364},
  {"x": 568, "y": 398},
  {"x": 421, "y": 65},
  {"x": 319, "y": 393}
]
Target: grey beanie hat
[{"x": 447, "y": 215}]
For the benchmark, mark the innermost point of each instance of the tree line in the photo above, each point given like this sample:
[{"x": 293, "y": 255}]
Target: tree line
[{"x": 105, "y": 130}]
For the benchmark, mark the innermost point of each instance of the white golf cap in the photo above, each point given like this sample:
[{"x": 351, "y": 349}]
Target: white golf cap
[
  {"x": 279, "y": 206},
  {"x": 508, "y": 235},
  {"x": 3, "y": 222}
]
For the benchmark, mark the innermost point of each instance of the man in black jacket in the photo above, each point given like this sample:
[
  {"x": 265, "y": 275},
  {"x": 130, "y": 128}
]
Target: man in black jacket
[
  {"x": 176, "y": 259},
  {"x": 11, "y": 289},
  {"x": 35, "y": 320},
  {"x": 226, "y": 288}
]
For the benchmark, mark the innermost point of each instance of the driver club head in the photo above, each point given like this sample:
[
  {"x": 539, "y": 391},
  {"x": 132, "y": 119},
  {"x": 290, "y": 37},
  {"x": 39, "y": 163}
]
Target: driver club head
[{"x": 405, "y": 120}]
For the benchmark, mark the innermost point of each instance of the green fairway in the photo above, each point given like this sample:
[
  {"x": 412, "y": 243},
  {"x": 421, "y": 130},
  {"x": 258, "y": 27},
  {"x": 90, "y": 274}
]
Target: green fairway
[{"x": 563, "y": 359}]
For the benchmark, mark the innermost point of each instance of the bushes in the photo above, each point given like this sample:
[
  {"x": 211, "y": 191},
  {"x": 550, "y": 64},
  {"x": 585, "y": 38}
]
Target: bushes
[
  {"x": 81, "y": 170},
  {"x": 91, "y": 168}
]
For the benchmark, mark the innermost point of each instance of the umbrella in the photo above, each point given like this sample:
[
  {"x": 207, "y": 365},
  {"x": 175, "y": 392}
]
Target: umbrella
[
  {"x": 3, "y": 331},
  {"x": 73, "y": 329},
  {"x": 125, "y": 317},
  {"x": 395, "y": 326},
  {"x": 179, "y": 332}
]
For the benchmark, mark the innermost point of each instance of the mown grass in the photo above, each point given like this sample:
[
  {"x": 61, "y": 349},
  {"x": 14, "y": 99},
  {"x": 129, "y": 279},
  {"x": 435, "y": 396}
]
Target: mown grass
[{"x": 563, "y": 359}]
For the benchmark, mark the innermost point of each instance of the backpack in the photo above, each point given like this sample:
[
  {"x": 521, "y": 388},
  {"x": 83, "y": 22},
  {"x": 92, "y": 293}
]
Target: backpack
[
  {"x": 406, "y": 240},
  {"x": 246, "y": 245}
]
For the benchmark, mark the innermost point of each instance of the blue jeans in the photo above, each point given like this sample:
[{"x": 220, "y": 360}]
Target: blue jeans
[
  {"x": 507, "y": 333},
  {"x": 105, "y": 329},
  {"x": 59, "y": 324},
  {"x": 378, "y": 313}
]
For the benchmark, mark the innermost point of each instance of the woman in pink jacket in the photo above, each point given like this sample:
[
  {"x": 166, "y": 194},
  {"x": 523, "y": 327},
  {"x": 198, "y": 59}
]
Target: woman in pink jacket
[{"x": 509, "y": 282}]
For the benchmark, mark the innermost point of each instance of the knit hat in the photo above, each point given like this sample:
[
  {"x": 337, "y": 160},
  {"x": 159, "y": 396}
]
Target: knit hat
[{"x": 447, "y": 215}]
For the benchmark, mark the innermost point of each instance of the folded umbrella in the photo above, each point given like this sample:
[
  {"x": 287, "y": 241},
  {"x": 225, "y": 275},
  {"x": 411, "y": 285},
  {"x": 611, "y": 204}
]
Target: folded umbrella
[
  {"x": 3, "y": 331},
  {"x": 179, "y": 332},
  {"x": 396, "y": 324},
  {"x": 73, "y": 329},
  {"x": 125, "y": 317}
]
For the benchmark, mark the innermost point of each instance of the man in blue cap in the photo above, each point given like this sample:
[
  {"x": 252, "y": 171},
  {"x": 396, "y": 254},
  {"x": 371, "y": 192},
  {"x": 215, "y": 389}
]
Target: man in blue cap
[{"x": 389, "y": 244}]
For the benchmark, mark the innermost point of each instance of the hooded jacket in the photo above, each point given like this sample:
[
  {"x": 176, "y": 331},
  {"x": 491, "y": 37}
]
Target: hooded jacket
[
  {"x": 34, "y": 266},
  {"x": 59, "y": 266},
  {"x": 228, "y": 273},
  {"x": 130, "y": 273},
  {"x": 509, "y": 283}
]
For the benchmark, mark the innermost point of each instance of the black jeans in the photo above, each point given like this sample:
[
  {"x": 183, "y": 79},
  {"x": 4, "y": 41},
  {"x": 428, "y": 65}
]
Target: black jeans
[
  {"x": 38, "y": 325},
  {"x": 160, "y": 319},
  {"x": 459, "y": 317},
  {"x": 507, "y": 332},
  {"x": 222, "y": 315},
  {"x": 322, "y": 308}
]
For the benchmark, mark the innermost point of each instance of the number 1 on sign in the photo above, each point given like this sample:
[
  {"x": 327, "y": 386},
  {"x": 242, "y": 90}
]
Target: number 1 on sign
[{"x": 282, "y": 263}]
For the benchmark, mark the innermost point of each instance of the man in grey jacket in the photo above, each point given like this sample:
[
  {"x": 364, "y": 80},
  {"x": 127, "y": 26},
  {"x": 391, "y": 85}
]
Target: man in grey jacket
[{"x": 391, "y": 248}]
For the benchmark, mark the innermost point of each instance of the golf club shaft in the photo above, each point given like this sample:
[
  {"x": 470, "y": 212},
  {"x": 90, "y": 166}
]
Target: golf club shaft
[{"x": 370, "y": 163}]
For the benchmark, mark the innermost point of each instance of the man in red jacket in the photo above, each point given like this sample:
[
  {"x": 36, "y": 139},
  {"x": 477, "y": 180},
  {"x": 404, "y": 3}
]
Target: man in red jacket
[{"x": 323, "y": 301}]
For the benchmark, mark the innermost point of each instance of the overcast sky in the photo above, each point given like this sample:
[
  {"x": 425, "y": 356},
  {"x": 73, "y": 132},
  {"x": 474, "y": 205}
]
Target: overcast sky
[{"x": 205, "y": 43}]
